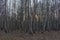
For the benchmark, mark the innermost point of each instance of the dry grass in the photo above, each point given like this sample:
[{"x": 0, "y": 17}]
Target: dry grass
[{"x": 38, "y": 36}]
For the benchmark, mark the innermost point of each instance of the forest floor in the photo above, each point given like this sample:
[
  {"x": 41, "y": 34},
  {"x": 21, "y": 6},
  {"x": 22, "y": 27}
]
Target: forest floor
[{"x": 53, "y": 35}]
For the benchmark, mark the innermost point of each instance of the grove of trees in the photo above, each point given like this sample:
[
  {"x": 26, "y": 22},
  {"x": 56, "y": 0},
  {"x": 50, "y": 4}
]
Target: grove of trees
[{"x": 29, "y": 15}]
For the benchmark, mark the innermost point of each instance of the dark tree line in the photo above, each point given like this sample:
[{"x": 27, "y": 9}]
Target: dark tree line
[{"x": 29, "y": 15}]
